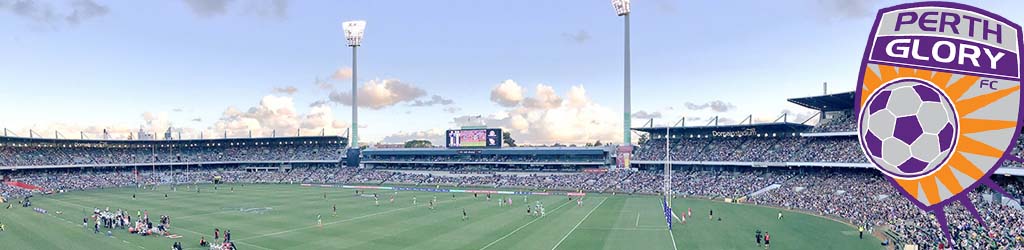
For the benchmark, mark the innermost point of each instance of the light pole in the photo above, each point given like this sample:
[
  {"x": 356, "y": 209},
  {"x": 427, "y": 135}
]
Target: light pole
[
  {"x": 354, "y": 36},
  {"x": 622, "y": 9}
]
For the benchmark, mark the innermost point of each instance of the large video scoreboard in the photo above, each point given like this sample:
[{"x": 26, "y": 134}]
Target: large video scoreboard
[{"x": 473, "y": 138}]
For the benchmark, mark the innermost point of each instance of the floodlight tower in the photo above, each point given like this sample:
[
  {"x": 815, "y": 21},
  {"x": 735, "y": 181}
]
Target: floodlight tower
[
  {"x": 354, "y": 36},
  {"x": 623, "y": 9}
]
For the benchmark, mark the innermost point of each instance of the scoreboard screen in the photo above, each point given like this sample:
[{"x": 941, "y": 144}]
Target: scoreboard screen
[{"x": 473, "y": 138}]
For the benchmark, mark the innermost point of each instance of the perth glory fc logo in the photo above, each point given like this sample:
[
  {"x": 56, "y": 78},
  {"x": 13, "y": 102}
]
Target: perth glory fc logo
[{"x": 939, "y": 104}]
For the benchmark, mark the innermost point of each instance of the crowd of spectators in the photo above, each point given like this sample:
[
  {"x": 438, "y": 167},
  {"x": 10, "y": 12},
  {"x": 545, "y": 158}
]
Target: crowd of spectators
[
  {"x": 839, "y": 149},
  {"x": 837, "y": 122},
  {"x": 591, "y": 158},
  {"x": 58, "y": 155}
]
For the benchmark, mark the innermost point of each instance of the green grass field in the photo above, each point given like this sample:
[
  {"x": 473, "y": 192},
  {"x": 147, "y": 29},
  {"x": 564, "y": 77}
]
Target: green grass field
[{"x": 284, "y": 217}]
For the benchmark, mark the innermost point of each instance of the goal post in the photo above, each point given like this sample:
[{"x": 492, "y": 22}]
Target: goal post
[{"x": 667, "y": 190}]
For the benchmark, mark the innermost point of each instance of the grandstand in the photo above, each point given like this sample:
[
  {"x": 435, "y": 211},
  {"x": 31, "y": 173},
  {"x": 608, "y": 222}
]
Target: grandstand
[
  {"x": 547, "y": 159},
  {"x": 46, "y": 153},
  {"x": 831, "y": 143}
]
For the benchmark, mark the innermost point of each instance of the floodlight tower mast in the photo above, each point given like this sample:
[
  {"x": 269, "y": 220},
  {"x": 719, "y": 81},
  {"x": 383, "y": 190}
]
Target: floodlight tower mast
[
  {"x": 354, "y": 37},
  {"x": 623, "y": 9}
]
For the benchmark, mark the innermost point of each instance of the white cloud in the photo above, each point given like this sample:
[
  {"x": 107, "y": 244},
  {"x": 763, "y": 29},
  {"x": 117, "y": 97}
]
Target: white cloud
[
  {"x": 208, "y": 8},
  {"x": 261, "y": 8},
  {"x": 548, "y": 118},
  {"x": 644, "y": 115},
  {"x": 342, "y": 74},
  {"x": 507, "y": 94},
  {"x": 452, "y": 109},
  {"x": 580, "y": 36},
  {"x": 272, "y": 113},
  {"x": 378, "y": 94},
  {"x": 434, "y": 100},
  {"x": 288, "y": 90},
  {"x": 716, "y": 106},
  {"x": 277, "y": 113},
  {"x": 545, "y": 98},
  {"x": 435, "y": 136},
  {"x": 43, "y": 13}
]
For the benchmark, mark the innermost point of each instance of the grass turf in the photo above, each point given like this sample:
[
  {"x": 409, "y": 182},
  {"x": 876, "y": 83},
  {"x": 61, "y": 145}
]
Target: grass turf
[{"x": 284, "y": 217}]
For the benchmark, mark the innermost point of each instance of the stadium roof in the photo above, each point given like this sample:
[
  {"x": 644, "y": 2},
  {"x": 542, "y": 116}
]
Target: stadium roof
[
  {"x": 495, "y": 151},
  {"x": 775, "y": 127},
  {"x": 826, "y": 103}
]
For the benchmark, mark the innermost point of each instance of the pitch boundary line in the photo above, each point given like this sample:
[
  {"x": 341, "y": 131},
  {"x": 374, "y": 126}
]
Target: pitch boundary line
[
  {"x": 578, "y": 224},
  {"x": 673, "y": 236},
  {"x": 520, "y": 228}
]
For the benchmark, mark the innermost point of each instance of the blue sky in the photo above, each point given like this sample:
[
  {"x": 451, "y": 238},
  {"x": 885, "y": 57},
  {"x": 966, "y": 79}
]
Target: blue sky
[{"x": 211, "y": 66}]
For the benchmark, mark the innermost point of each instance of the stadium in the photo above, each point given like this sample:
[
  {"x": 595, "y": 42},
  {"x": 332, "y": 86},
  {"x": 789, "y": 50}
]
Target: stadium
[
  {"x": 803, "y": 181},
  {"x": 815, "y": 176}
]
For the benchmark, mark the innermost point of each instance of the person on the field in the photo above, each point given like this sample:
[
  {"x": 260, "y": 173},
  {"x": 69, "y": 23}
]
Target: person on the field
[
  {"x": 335, "y": 207},
  {"x": 216, "y": 234},
  {"x": 711, "y": 214},
  {"x": 3, "y": 227},
  {"x": 319, "y": 223},
  {"x": 767, "y": 239},
  {"x": 227, "y": 236},
  {"x": 757, "y": 237},
  {"x": 414, "y": 200},
  {"x": 689, "y": 211},
  {"x": 133, "y": 196},
  {"x": 465, "y": 216},
  {"x": 376, "y": 202},
  {"x": 780, "y": 215},
  {"x": 202, "y": 241},
  {"x": 861, "y": 230}
]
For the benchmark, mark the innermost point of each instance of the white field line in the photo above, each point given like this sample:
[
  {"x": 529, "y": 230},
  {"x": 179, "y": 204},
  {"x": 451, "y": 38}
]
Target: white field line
[
  {"x": 578, "y": 224},
  {"x": 673, "y": 236},
  {"x": 519, "y": 228}
]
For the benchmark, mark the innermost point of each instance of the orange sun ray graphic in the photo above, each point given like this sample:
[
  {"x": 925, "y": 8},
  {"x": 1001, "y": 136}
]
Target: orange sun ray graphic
[{"x": 971, "y": 157}]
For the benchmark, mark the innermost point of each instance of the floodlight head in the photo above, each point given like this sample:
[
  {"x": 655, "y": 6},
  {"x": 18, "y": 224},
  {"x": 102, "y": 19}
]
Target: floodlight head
[
  {"x": 621, "y": 7},
  {"x": 354, "y": 31}
]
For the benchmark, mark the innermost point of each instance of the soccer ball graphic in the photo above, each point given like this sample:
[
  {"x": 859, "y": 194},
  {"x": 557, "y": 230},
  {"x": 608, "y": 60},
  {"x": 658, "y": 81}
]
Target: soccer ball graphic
[{"x": 908, "y": 128}]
